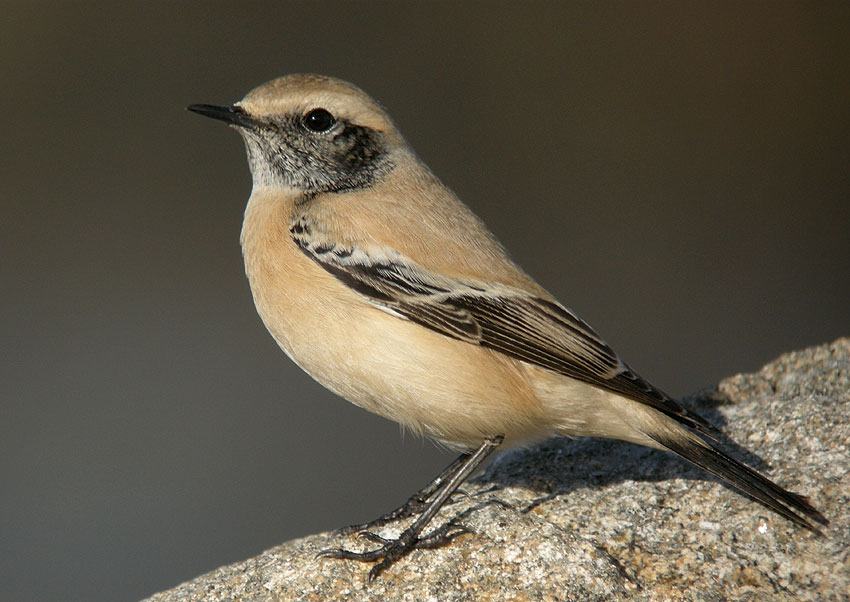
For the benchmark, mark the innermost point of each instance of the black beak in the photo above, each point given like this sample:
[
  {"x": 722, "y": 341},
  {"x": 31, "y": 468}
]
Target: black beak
[{"x": 234, "y": 114}]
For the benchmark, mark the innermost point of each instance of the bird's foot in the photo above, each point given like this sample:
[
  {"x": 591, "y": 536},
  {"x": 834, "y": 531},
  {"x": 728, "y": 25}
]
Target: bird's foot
[
  {"x": 412, "y": 507},
  {"x": 393, "y": 550},
  {"x": 415, "y": 505}
]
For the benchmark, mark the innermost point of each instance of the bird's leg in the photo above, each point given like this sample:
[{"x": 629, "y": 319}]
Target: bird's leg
[
  {"x": 392, "y": 550},
  {"x": 414, "y": 505}
]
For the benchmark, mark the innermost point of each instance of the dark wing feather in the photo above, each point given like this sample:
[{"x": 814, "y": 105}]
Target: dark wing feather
[{"x": 498, "y": 317}]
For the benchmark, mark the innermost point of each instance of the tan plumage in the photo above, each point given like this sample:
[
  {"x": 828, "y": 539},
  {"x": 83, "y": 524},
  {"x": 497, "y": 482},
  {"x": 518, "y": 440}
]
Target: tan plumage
[
  {"x": 385, "y": 364},
  {"x": 376, "y": 280}
]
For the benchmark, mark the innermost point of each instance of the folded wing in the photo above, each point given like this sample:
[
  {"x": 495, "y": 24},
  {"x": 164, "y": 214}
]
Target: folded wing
[{"x": 499, "y": 317}]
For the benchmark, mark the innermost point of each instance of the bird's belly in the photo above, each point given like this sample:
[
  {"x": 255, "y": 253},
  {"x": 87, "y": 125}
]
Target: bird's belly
[{"x": 455, "y": 392}]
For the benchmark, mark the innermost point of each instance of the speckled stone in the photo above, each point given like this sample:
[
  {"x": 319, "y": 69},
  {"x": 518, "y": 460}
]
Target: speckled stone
[{"x": 603, "y": 520}]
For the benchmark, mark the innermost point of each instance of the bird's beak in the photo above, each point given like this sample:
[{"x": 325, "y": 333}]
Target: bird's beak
[{"x": 234, "y": 114}]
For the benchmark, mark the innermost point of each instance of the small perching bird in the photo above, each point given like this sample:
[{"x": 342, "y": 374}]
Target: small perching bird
[{"x": 376, "y": 280}]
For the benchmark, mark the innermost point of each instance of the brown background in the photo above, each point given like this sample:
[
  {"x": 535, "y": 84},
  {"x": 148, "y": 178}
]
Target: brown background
[{"x": 677, "y": 173}]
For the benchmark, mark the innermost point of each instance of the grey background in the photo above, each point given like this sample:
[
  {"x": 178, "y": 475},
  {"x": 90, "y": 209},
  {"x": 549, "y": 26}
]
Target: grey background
[{"x": 677, "y": 173}]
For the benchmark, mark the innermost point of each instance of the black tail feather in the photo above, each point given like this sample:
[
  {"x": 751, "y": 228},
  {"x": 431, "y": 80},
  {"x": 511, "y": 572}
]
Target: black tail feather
[{"x": 744, "y": 478}]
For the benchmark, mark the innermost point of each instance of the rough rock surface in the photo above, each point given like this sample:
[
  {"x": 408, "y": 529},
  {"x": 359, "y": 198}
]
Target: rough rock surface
[{"x": 603, "y": 520}]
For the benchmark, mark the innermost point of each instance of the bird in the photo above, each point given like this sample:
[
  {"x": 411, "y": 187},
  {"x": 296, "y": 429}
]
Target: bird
[{"x": 375, "y": 279}]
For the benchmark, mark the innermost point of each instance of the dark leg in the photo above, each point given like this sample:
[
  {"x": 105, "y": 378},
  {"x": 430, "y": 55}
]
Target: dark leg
[
  {"x": 414, "y": 505},
  {"x": 392, "y": 550}
]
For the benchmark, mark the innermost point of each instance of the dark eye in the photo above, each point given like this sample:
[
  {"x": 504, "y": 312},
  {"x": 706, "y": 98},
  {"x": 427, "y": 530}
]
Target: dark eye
[{"x": 319, "y": 120}]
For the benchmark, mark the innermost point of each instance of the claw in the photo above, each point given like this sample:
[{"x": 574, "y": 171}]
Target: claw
[
  {"x": 342, "y": 554},
  {"x": 442, "y": 536},
  {"x": 331, "y": 553},
  {"x": 374, "y": 538}
]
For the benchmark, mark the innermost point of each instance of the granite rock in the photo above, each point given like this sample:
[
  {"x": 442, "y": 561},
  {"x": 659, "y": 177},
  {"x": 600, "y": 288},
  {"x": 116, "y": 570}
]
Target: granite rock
[{"x": 603, "y": 520}]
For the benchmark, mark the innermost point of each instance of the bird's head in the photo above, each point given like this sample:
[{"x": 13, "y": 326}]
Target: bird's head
[{"x": 313, "y": 134}]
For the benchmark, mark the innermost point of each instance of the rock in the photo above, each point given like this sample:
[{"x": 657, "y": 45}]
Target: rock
[{"x": 603, "y": 520}]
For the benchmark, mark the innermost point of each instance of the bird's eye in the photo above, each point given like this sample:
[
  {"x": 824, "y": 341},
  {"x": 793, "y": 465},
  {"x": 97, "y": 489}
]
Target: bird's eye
[{"x": 319, "y": 120}]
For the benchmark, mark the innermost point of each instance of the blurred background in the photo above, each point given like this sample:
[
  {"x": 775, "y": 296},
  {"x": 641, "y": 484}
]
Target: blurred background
[{"x": 677, "y": 173}]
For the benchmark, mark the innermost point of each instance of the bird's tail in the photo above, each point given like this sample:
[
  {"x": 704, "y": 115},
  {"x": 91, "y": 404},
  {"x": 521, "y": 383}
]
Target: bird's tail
[{"x": 691, "y": 447}]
